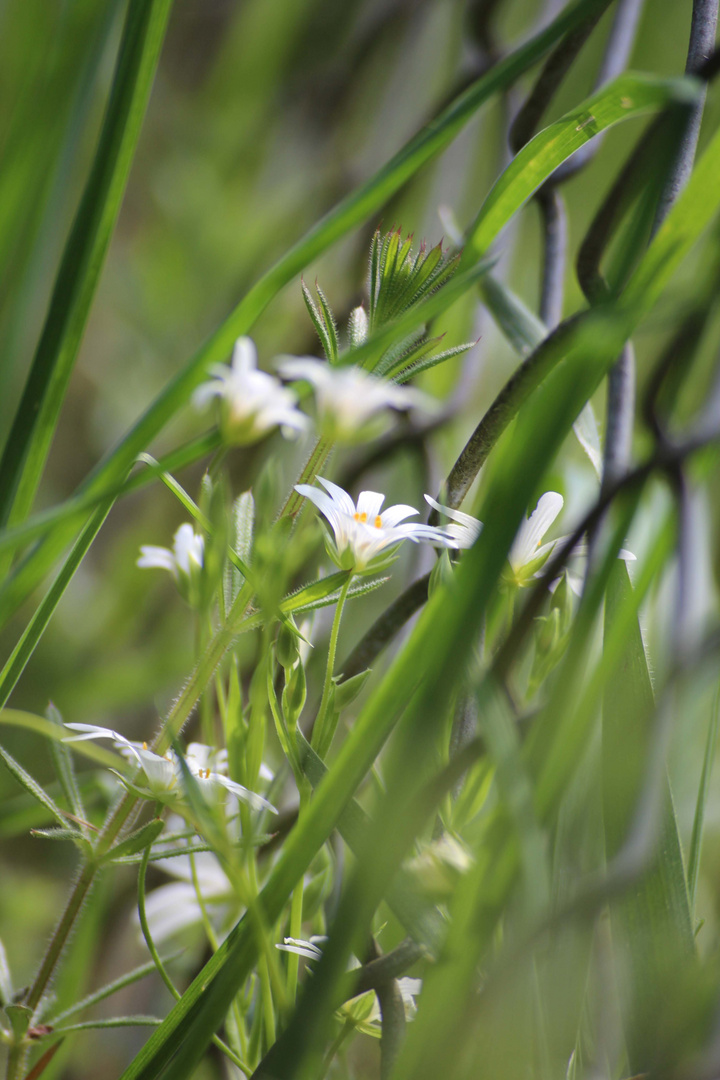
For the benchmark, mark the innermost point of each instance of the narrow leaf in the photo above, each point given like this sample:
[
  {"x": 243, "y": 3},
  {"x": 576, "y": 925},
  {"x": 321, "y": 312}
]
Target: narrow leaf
[{"x": 32, "y": 786}]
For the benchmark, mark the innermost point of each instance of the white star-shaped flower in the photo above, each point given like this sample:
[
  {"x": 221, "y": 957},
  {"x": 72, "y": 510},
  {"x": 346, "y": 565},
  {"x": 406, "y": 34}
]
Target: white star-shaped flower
[
  {"x": 184, "y": 561},
  {"x": 365, "y": 536},
  {"x": 164, "y": 775},
  {"x": 465, "y": 529},
  {"x": 528, "y": 553},
  {"x": 252, "y": 402},
  {"x": 350, "y": 402}
]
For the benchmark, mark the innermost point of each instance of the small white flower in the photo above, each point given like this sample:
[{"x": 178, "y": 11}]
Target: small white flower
[
  {"x": 466, "y": 529},
  {"x": 164, "y": 774},
  {"x": 364, "y": 537},
  {"x": 185, "y": 561},
  {"x": 409, "y": 990},
  {"x": 349, "y": 399},
  {"x": 526, "y": 555},
  {"x": 252, "y": 402},
  {"x": 309, "y": 949}
]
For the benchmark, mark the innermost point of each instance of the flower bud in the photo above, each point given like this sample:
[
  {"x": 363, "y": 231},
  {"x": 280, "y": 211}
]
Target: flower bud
[
  {"x": 294, "y": 693},
  {"x": 286, "y": 646}
]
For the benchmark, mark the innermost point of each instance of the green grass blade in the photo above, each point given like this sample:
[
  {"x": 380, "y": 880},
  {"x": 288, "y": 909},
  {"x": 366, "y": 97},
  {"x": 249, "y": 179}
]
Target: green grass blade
[
  {"x": 631, "y": 95},
  {"x": 32, "y": 431},
  {"x": 25, "y": 647},
  {"x": 75, "y": 508},
  {"x": 699, "y": 819},
  {"x": 653, "y": 917}
]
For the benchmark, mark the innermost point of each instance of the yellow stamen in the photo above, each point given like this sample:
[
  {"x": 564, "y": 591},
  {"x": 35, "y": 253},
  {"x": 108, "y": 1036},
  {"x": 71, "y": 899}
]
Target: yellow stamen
[
  {"x": 360, "y": 517},
  {"x": 144, "y": 746},
  {"x": 378, "y": 522}
]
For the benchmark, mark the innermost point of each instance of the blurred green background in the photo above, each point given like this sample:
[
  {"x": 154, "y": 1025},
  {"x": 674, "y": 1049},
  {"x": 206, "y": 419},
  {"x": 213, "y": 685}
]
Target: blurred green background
[{"x": 264, "y": 113}]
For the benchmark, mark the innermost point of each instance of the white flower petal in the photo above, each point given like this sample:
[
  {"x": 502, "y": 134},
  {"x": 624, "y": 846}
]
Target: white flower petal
[
  {"x": 250, "y": 797},
  {"x": 316, "y": 372},
  {"x": 244, "y": 358},
  {"x": 156, "y": 558},
  {"x": 393, "y": 515},
  {"x": 369, "y": 504},
  {"x": 341, "y": 498},
  {"x": 531, "y": 532}
]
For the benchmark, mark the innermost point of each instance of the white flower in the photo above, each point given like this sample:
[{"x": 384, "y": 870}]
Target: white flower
[
  {"x": 526, "y": 555},
  {"x": 185, "y": 561},
  {"x": 309, "y": 949},
  {"x": 361, "y": 532},
  {"x": 164, "y": 774},
  {"x": 409, "y": 990},
  {"x": 467, "y": 528},
  {"x": 252, "y": 402},
  {"x": 348, "y": 398}
]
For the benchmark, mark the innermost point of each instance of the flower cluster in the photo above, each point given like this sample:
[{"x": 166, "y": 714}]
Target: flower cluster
[{"x": 350, "y": 402}]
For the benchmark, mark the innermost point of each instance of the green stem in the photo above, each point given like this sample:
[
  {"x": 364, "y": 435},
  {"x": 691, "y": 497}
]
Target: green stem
[
  {"x": 324, "y": 728},
  {"x": 319, "y": 455},
  {"x": 162, "y": 970},
  {"x": 61, "y": 934},
  {"x": 296, "y": 911},
  {"x": 346, "y": 1030},
  {"x": 16, "y": 1058}
]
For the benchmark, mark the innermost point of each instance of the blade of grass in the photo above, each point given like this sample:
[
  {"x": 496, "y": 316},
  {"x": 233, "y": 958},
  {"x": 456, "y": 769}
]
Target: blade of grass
[
  {"x": 654, "y": 916},
  {"x": 632, "y": 94},
  {"x": 29, "y": 439},
  {"x": 699, "y": 819}
]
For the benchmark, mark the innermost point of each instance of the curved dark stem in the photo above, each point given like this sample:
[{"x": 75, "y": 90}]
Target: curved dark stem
[
  {"x": 618, "y": 48},
  {"x": 702, "y": 42},
  {"x": 631, "y": 179},
  {"x": 554, "y": 217},
  {"x": 386, "y": 627},
  {"x": 516, "y": 391},
  {"x": 620, "y": 416},
  {"x": 392, "y": 1013},
  {"x": 554, "y": 71}
]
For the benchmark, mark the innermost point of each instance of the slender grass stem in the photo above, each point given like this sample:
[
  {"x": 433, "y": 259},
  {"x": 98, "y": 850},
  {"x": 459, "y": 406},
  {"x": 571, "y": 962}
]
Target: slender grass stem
[{"x": 324, "y": 729}]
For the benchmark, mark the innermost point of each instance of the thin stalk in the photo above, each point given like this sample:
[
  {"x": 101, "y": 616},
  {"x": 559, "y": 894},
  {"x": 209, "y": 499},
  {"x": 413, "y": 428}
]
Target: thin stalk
[
  {"x": 296, "y": 911},
  {"x": 157, "y": 960},
  {"x": 319, "y": 455},
  {"x": 61, "y": 934},
  {"x": 323, "y": 729},
  {"x": 346, "y": 1030}
]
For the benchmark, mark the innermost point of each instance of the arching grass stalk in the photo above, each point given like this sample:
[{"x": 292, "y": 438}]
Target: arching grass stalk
[
  {"x": 324, "y": 727},
  {"x": 157, "y": 960}
]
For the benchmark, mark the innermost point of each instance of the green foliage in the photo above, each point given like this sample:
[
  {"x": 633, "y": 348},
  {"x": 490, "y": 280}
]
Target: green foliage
[{"x": 472, "y": 847}]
